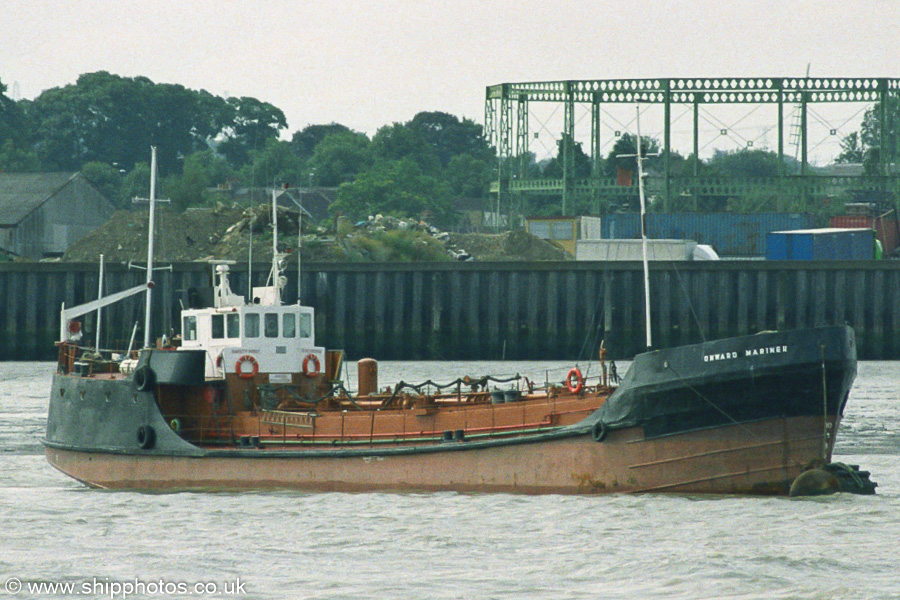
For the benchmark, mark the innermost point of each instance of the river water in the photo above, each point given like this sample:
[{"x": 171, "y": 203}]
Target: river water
[{"x": 284, "y": 545}]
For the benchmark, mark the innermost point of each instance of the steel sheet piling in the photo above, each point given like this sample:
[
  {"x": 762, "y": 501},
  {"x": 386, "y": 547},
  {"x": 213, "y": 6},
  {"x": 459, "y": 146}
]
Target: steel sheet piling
[{"x": 534, "y": 311}]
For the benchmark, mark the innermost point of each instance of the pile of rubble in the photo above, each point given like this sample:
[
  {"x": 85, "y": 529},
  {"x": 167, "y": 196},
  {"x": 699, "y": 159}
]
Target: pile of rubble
[
  {"x": 381, "y": 223},
  {"x": 226, "y": 233}
]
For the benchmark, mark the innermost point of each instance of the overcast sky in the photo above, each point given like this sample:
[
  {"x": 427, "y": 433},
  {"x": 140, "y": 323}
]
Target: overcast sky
[{"x": 366, "y": 64}]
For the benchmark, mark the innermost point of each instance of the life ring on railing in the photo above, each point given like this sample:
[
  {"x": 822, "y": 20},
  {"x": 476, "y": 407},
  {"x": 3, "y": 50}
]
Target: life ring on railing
[
  {"x": 74, "y": 327},
  {"x": 575, "y": 380},
  {"x": 311, "y": 358},
  {"x": 239, "y": 367}
]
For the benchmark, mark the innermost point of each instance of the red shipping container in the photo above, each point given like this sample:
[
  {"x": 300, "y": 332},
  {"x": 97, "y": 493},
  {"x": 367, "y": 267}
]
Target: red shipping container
[{"x": 886, "y": 230}]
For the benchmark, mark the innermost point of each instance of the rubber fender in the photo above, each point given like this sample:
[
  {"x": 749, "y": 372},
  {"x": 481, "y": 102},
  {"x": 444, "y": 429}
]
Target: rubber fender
[
  {"x": 146, "y": 437},
  {"x": 815, "y": 482},
  {"x": 598, "y": 431},
  {"x": 144, "y": 378}
]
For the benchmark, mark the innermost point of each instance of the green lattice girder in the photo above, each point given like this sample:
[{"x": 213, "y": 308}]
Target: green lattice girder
[
  {"x": 696, "y": 91},
  {"x": 756, "y": 90},
  {"x": 710, "y": 186}
]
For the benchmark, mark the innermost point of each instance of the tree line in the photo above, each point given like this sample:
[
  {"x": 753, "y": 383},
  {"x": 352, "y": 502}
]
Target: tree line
[{"x": 103, "y": 125}]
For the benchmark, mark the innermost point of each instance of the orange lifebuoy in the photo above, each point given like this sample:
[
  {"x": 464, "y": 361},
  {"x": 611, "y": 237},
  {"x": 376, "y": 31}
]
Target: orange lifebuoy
[
  {"x": 254, "y": 367},
  {"x": 74, "y": 327},
  {"x": 575, "y": 380},
  {"x": 311, "y": 358}
]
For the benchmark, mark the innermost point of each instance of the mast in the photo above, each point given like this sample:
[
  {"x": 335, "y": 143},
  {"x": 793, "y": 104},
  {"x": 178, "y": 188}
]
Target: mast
[
  {"x": 640, "y": 165},
  {"x": 250, "y": 256},
  {"x": 150, "y": 230},
  {"x": 300, "y": 237},
  {"x": 276, "y": 268},
  {"x": 99, "y": 308}
]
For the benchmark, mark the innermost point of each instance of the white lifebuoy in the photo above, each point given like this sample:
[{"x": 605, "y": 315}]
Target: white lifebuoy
[{"x": 239, "y": 367}]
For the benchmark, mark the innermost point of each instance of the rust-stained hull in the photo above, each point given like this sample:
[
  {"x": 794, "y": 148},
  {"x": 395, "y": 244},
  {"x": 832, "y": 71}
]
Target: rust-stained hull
[
  {"x": 754, "y": 458},
  {"x": 739, "y": 416}
]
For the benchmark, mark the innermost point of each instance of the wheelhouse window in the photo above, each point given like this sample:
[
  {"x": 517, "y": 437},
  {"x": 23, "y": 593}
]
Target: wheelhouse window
[
  {"x": 218, "y": 327},
  {"x": 251, "y": 325},
  {"x": 305, "y": 325},
  {"x": 271, "y": 323},
  {"x": 233, "y": 325},
  {"x": 189, "y": 328},
  {"x": 289, "y": 326}
]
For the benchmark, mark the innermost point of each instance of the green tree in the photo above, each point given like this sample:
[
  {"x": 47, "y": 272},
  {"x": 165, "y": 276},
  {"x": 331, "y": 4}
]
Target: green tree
[
  {"x": 399, "y": 188},
  {"x": 525, "y": 163},
  {"x": 744, "y": 163},
  {"x": 135, "y": 184},
  {"x": 202, "y": 171},
  {"x": 276, "y": 164},
  {"x": 852, "y": 150},
  {"x": 339, "y": 158},
  {"x": 15, "y": 151},
  {"x": 627, "y": 144},
  {"x": 106, "y": 178},
  {"x": 252, "y": 124},
  {"x": 17, "y": 160},
  {"x": 398, "y": 141},
  {"x": 448, "y": 136},
  {"x": 867, "y": 145},
  {"x": 870, "y": 131},
  {"x": 581, "y": 161},
  {"x": 468, "y": 176},
  {"x": 111, "y": 119},
  {"x": 304, "y": 142}
]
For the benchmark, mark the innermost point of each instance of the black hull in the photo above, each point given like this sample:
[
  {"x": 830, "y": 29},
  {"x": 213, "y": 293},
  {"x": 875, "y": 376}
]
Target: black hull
[{"x": 801, "y": 373}]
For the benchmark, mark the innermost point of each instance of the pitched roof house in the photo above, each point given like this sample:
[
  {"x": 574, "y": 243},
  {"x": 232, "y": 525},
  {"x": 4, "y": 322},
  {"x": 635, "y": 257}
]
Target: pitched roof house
[{"x": 42, "y": 213}]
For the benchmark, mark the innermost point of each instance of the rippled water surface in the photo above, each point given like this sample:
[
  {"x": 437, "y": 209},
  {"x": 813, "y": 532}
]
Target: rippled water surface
[{"x": 447, "y": 545}]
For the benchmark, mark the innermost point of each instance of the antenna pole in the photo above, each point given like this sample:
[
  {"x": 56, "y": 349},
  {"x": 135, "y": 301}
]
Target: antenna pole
[
  {"x": 250, "y": 256},
  {"x": 99, "y": 308},
  {"x": 150, "y": 230},
  {"x": 640, "y": 165},
  {"x": 299, "y": 247},
  {"x": 274, "y": 221},
  {"x": 276, "y": 271}
]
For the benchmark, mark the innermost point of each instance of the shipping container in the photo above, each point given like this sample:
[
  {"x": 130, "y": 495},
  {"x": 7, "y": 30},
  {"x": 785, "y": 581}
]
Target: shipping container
[
  {"x": 564, "y": 231},
  {"x": 730, "y": 234},
  {"x": 607, "y": 250},
  {"x": 887, "y": 230},
  {"x": 821, "y": 244}
]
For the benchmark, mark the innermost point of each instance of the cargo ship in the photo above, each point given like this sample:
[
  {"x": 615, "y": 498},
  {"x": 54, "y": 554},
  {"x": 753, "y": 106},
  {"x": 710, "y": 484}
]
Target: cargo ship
[{"x": 243, "y": 399}]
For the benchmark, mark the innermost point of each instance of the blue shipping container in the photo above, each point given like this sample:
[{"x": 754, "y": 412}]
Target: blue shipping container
[
  {"x": 821, "y": 244},
  {"x": 730, "y": 234}
]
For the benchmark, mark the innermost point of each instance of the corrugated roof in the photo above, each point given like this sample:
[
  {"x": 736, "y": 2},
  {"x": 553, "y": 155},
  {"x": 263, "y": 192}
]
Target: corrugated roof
[{"x": 20, "y": 193}]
